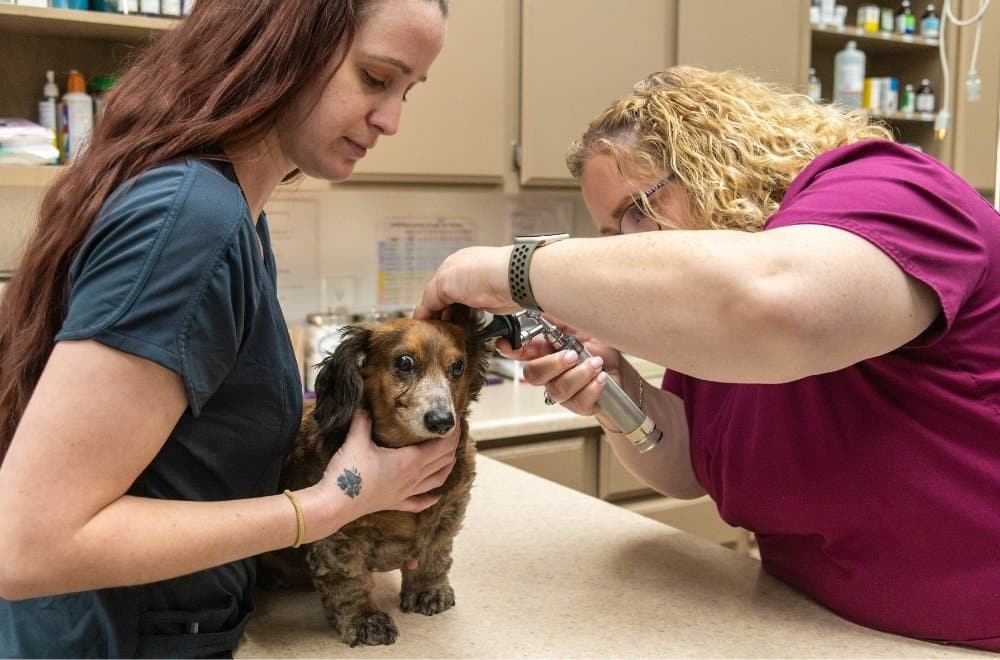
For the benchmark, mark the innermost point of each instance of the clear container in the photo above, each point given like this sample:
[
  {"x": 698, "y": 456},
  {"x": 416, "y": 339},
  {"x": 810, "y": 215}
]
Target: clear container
[
  {"x": 924, "y": 98},
  {"x": 906, "y": 20},
  {"x": 930, "y": 24},
  {"x": 815, "y": 86},
  {"x": 322, "y": 339},
  {"x": 849, "y": 76}
]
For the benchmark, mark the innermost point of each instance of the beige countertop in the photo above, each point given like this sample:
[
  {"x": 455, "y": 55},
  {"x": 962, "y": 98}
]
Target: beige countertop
[
  {"x": 544, "y": 571},
  {"x": 514, "y": 409}
]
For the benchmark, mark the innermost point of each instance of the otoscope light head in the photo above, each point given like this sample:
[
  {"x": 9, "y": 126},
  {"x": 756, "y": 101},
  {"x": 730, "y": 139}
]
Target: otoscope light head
[{"x": 502, "y": 325}]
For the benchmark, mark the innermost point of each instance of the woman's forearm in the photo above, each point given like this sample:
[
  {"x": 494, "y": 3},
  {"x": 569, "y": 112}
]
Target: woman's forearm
[{"x": 137, "y": 540}]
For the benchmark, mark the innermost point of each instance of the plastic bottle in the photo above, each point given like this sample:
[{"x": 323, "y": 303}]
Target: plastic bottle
[
  {"x": 815, "y": 86},
  {"x": 908, "y": 103},
  {"x": 930, "y": 24},
  {"x": 849, "y": 76},
  {"x": 48, "y": 106},
  {"x": 77, "y": 112},
  {"x": 924, "y": 98},
  {"x": 100, "y": 86},
  {"x": 128, "y": 6},
  {"x": 171, "y": 8},
  {"x": 149, "y": 7},
  {"x": 906, "y": 20}
]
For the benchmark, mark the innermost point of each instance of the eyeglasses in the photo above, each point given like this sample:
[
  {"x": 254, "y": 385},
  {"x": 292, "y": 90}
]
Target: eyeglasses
[{"x": 635, "y": 219}]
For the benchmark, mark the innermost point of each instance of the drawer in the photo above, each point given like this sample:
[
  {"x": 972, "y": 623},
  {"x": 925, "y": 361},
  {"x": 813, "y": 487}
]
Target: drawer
[
  {"x": 614, "y": 482},
  {"x": 698, "y": 517},
  {"x": 568, "y": 461}
]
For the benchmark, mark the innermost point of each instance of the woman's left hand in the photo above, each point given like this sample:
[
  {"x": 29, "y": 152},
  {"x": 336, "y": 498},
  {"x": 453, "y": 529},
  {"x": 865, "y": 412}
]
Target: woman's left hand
[
  {"x": 574, "y": 383},
  {"x": 474, "y": 276}
]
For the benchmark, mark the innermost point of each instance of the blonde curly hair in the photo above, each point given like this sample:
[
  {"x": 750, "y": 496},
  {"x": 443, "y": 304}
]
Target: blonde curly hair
[{"x": 734, "y": 142}]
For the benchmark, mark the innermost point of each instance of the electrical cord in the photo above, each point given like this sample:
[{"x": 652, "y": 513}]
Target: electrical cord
[{"x": 943, "y": 117}]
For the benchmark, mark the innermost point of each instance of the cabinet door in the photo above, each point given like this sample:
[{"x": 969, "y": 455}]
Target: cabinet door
[
  {"x": 975, "y": 124},
  {"x": 577, "y": 56},
  {"x": 614, "y": 480},
  {"x": 765, "y": 38},
  {"x": 453, "y": 126},
  {"x": 568, "y": 461}
]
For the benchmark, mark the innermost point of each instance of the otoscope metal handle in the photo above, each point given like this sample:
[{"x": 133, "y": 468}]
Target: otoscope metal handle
[{"x": 613, "y": 401}]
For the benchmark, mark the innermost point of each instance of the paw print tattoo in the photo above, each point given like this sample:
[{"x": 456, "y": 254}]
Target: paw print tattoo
[{"x": 350, "y": 482}]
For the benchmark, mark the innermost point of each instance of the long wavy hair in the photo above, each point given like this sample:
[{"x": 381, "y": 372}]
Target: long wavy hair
[
  {"x": 734, "y": 142},
  {"x": 218, "y": 81}
]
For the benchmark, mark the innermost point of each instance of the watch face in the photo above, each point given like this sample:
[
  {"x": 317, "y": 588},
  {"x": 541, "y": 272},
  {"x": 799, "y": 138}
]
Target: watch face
[{"x": 538, "y": 238}]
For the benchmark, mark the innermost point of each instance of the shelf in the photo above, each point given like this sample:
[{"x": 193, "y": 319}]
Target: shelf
[
  {"x": 869, "y": 42},
  {"x": 916, "y": 117},
  {"x": 28, "y": 176},
  {"x": 76, "y": 23}
]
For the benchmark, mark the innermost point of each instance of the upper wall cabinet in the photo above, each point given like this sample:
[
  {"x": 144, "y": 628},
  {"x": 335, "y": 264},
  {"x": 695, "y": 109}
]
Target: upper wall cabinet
[
  {"x": 452, "y": 127},
  {"x": 975, "y": 123},
  {"x": 761, "y": 37},
  {"x": 577, "y": 56}
]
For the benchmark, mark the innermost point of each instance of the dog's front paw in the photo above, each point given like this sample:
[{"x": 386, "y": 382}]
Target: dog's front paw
[
  {"x": 432, "y": 601},
  {"x": 372, "y": 630}
]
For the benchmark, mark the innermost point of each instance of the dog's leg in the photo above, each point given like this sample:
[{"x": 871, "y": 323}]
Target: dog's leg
[
  {"x": 426, "y": 589},
  {"x": 345, "y": 587}
]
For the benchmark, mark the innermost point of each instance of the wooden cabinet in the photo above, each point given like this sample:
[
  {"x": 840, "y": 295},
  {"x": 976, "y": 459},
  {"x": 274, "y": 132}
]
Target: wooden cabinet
[
  {"x": 577, "y": 56},
  {"x": 453, "y": 129},
  {"x": 570, "y": 461},
  {"x": 761, "y": 37},
  {"x": 583, "y": 460},
  {"x": 453, "y": 126},
  {"x": 975, "y": 123}
]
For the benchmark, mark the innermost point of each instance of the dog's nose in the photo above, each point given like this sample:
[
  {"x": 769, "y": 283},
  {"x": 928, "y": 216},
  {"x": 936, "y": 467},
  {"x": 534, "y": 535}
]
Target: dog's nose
[{"x": 439, "y": 421}]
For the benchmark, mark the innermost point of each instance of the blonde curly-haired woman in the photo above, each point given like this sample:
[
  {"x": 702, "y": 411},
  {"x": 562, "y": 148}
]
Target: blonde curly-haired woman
[{"x": 827, "y": 303}]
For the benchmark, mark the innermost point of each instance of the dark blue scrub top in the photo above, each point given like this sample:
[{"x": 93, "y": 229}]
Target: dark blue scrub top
[{"x": 171, "y": 271}]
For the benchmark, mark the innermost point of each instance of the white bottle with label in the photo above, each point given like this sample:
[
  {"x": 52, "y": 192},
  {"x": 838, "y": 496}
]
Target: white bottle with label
[
  {"x": 815, "y": 86},
  {"x": 149, "y": 7},
  {"x": 77, "y": 116},
  {"x": 48, "y": 106},
  {"x": 171, "y": 8},
  {"x": 849, "y": 76}
]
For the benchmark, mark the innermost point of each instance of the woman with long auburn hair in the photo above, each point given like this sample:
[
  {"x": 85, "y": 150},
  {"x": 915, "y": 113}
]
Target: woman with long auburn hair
[
  {"x": 148, "y": 388},
  {"x": 827, "y": 305}
]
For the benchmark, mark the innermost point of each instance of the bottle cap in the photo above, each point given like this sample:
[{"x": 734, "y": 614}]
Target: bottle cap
[
  {"x": 51, "y": 90},
  {"x": 103, "y": 83},
  {"x": 75, "y": 82}
]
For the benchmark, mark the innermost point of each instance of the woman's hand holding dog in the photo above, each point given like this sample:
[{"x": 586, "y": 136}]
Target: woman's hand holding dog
[{"x": 362, "y": 478}]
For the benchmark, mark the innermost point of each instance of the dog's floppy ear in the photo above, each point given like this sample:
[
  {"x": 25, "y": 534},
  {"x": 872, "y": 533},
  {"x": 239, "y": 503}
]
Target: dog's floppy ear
[
  {"x": 339, "y": 385},
  {"x": 475, "y": 347}
]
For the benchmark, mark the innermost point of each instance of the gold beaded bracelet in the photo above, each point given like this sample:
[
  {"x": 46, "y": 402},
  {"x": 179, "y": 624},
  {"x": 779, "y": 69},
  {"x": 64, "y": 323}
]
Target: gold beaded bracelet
[{"x": 300, "y": 521}]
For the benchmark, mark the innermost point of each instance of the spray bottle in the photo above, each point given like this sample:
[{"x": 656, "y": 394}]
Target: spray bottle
[{"x": 48, "y": 106}]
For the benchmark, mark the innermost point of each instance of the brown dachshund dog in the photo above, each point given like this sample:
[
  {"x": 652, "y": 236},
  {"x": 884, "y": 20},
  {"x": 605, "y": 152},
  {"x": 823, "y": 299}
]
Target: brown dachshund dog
[{"x": 416, "y": 379}]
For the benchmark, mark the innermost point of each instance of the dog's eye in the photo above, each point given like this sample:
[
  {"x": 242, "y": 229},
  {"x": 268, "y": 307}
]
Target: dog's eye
[
  {"x": 404, "y": 363},
  {"x": 457, "y": 368}
]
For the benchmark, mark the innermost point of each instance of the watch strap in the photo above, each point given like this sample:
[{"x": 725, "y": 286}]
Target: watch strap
[{"x": 517, "y": 275}]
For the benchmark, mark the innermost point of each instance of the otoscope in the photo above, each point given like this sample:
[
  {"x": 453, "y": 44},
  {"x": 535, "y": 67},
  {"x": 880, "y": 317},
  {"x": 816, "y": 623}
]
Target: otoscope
[{"x": 613, "y": 401}]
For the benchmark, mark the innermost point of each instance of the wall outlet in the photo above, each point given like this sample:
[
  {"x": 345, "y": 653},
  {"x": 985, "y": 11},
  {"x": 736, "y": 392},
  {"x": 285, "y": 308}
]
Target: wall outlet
[{"x": 337, "y": 293}]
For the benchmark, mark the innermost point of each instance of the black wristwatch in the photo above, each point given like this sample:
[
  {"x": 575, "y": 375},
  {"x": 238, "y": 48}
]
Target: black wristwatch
[{"x": 520, "y": 262}]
